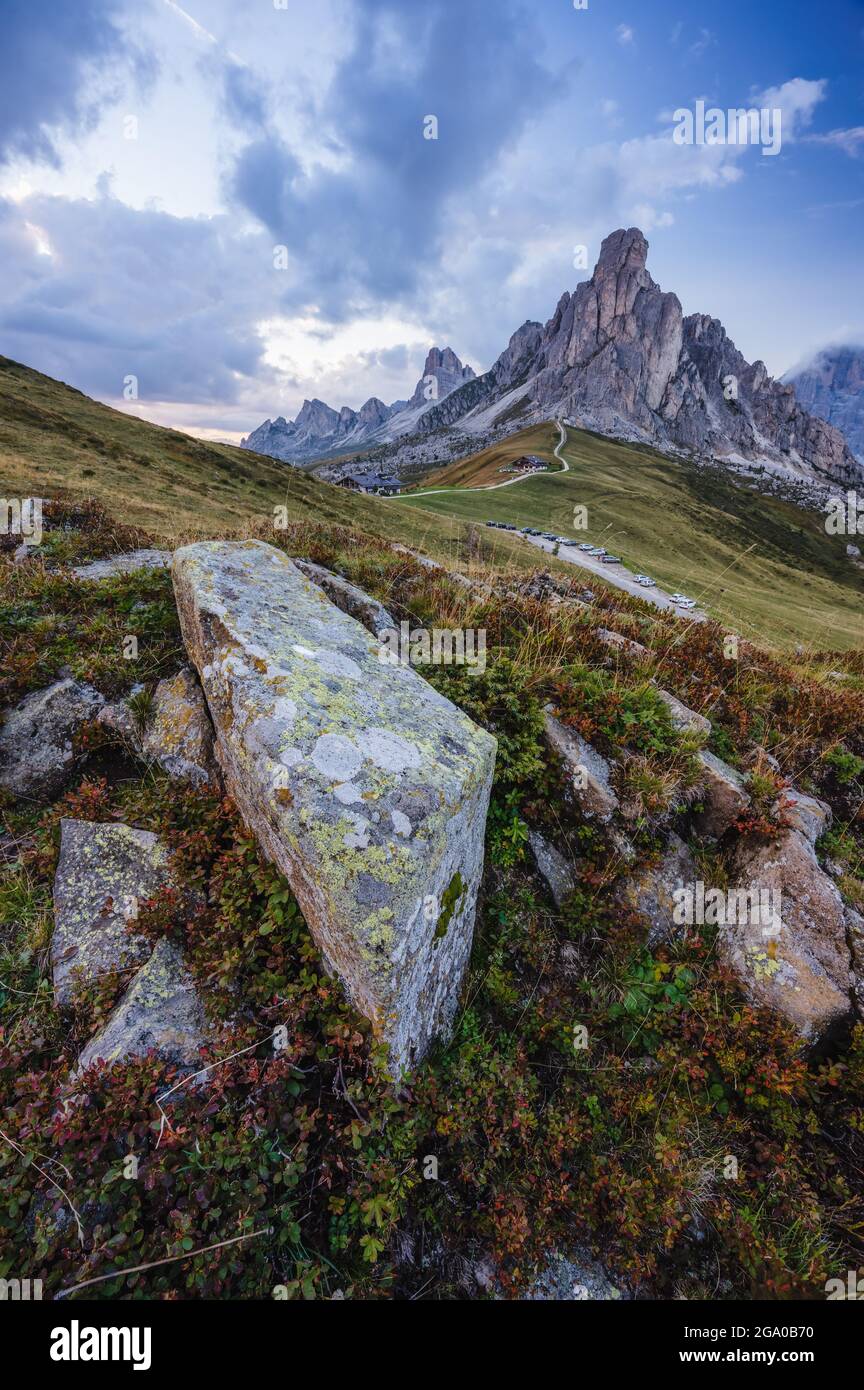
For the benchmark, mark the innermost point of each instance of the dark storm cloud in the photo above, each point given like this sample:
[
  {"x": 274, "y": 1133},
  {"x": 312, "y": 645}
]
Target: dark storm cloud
[
  {"x": 378, "y": 223},
  {"x": 175, "y": 301},
  {"x": 57, "y": 65}
]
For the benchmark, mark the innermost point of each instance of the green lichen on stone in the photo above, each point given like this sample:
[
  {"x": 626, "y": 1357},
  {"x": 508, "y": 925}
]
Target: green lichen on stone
[{"x": 454, "y": 892}]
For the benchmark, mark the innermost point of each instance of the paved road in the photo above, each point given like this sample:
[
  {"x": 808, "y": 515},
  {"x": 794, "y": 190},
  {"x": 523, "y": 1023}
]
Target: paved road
[
  {"x": 492, "y": 487},
  {"x": 616, "y": 575}
]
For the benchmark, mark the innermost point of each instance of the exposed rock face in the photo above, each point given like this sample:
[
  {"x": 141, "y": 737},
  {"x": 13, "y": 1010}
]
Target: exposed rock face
[
  {"x": 587, "y": 772},
  {"x": 619, "y": 357},
  {"x": 353, "y": 601},
  {"x": 832, "y": 387},
  {"x": 179, "y": 734},
  {"x": 650, "y": 890},
  {"x": 685, "y": 720},
  {"x": 724, "y": 796},
  {"x": 552, "y": 867},
  {"x": 574, "y": 1278},
  {"x": 806, "y": 814},
  {"x": 104, "y": 874},
  {"x": 36, "y": 754},
  {"x": 442, "y": 374},
  {"x": 367, "y": 788},
  {"x": 804, "y": 971},
  {"x": 160, "y": 1012},
  {"x": 319, "y": 430},
  {"x": 123, "y": 564}
]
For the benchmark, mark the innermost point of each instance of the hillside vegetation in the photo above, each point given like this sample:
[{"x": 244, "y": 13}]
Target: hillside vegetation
[{"x": 763, "y": 566}]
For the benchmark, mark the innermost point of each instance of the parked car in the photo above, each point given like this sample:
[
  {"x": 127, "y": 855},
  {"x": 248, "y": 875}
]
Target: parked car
[
  {"x": 597, "y": 550},
  {"x": 687, "y": 603},
  {"x": 612, "y": 560},
  {"x": 585, "y": 545},
  {"x": 646, "y": 581}
]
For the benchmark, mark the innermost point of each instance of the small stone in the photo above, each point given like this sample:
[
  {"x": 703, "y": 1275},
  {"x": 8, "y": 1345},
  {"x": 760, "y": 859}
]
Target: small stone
[
  {"x": 684, "y": 719},
  {"x": 36, "y": 752},
  {"x": 805, "y": 813},
  {"x": 123, "y": 564},
  {"x": 552, "y": 867},
  {"x": 582, "y": 763},
  {"x": 179, "y": 736},
  {"x": 650, "y": 889},
  {"x": 104, "y": 874},
  {"x": 160, "y": 1012},
  {"x": 724, "y": 796}
]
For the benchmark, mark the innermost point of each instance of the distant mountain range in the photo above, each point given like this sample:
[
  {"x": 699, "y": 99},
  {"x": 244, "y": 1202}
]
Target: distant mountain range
[
  {"x": 832, "y": 387},
  {"x": 618, "y": 357},
  {"x": 319, "y": 430}
]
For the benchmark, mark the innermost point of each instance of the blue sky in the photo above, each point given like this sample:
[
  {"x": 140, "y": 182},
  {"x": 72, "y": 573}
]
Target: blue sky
[{"x": 153, "y": 155}]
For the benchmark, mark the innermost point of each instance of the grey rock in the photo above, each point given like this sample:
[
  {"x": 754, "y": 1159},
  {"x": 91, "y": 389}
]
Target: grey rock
[
  {"x": 179, "y": 736},
  {"x": 800, "y": 967},
  {"x": 353, "y": 601},
  {"x": 574, "y": 1278},
  {"x": 614, "y": 639},
  {"x": 807, "y": 814},
  {"x": 588, "y": 773},
  {"x": 724, "y": 796},
  {"x": 36, "y": 753},
  {"x": 650, "y": 889},
  {"x": 160, "y": 1012},
  {"x": 557, "y": 871},
  {"x": 348, "y": 771},
  {"x": 684, "y": 719},
  {"x": 123, "y": 564},
  {"x": 104, "y": 874}
]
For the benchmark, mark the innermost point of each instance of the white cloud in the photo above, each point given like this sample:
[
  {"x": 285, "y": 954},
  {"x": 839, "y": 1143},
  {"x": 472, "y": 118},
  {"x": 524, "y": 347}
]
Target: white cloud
[{"x": 624, "y": 34}]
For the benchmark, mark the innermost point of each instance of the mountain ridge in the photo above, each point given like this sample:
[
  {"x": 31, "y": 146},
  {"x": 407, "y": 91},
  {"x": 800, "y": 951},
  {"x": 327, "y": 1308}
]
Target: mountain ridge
[
  {"x": 831, "y": 386},
  {"x": 318, "y": 429}
]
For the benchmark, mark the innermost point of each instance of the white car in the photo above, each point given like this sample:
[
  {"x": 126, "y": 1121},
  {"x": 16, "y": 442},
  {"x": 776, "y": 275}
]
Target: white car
[
  {"x": 646, "y": 581},
  {"x": 585, "y": 545},
  {"x": 687, "y": 603}
]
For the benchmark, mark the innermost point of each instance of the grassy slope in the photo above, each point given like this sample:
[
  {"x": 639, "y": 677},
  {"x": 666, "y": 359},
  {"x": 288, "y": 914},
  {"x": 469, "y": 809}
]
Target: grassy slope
[
  {"x": 764, "y": 567},
  {"x": 53, "y": 438}
]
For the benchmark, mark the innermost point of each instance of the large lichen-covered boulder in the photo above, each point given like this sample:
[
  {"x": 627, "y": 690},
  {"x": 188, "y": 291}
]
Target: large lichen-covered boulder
[
  {"x": 366, "y": 787},
  {"x": 104, "y": 875},
  {"x": 802, "y": 966},
  {"x": 684, "y": 719},
  {"x": 160, "y": 1012},
  {"x": 36, "y": 740}
]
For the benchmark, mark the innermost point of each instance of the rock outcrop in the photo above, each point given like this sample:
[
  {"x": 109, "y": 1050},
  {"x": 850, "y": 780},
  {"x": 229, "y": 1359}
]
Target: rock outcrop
[
  {"x": 123, "y": 564},
  {"x": 104, "y": 875},
  {"x": 353, "y": 601},
  {"x": 36, "y": 740},
  {"x": 650, "y": 889},
  {"x": 554, "y": 869},
  {"x": 801, "y": 967},
  {"x": 160, "y": 1012},
  {"x": 367, "y": 788},
  {"x": 177, "y": 735},
  {"x": 723, "y": 794},
  {"x": 587, "y": 771}
]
